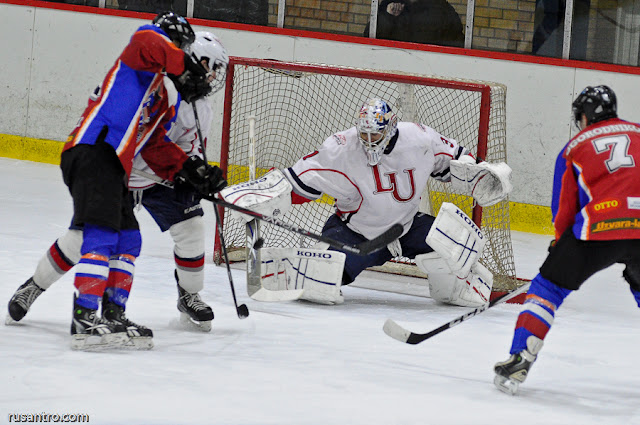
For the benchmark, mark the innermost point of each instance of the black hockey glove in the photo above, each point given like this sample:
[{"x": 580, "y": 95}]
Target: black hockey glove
[
  {"x": 192, "y": 83},
  {"x": 195, "y": 80},
  {"x": 214, "y": 181},
  {"x": 196, "y": 68},
  {"x": 198, "y": 175}
]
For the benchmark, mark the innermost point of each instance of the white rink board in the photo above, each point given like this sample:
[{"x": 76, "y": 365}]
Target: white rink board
[{"x": 73, "y": 50}]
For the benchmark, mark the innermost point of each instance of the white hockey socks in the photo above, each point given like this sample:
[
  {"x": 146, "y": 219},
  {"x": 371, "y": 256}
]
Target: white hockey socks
[
  {"x": 59, "y": 259},
  {"x": 188, "y": 237}
]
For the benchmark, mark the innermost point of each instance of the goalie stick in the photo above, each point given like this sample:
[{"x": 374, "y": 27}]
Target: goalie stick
[
  {"x": 254, "y": 261},
  {"x": 396, "y": 331},
  {"x": 363, "y": 248}
]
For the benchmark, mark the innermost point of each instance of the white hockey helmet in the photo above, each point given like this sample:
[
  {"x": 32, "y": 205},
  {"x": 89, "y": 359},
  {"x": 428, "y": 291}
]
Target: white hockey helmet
[
  {"x": 209, "y": 47},
  {"x": 376, "y": 125}
]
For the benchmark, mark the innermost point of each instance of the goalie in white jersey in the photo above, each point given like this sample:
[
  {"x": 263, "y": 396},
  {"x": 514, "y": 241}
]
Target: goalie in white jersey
[{"x": 376, "y": 171}]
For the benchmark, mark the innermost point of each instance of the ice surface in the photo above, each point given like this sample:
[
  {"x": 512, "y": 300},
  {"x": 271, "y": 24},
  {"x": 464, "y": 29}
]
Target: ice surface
[{"x": 300, "y": 363}]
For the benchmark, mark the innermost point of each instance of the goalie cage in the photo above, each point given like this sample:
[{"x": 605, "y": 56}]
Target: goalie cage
[{"x": 298, "y": 105}]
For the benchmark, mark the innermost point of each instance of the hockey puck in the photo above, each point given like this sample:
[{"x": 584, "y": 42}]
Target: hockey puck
[
  {"x": 243, "y": 311},
  {"x": 258, "y": 244}
]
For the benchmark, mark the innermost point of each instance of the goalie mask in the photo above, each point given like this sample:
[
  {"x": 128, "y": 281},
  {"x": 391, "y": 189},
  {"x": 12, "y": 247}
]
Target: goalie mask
[
  {"x": 208, "y": 47},
  {"x": 376, "y": 125},
  {"x": 176, "y": 27},
  {"x": 596, "y": 103}
]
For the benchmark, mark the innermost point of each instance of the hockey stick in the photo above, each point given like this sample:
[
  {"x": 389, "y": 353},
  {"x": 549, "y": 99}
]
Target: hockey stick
[
  {"x": 363, "y": 248},
  {"x": 396, "y": 331},
  {"x": 241, "y": 310}
]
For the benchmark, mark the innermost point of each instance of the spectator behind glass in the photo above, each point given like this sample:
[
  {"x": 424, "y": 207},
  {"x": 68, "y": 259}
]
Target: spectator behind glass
[
  {"x": 549, "y": 28},
  {"x": 254, "y": 12},
  {"x": 153, "y": 6},
  {"x": 419, "y": 21}
]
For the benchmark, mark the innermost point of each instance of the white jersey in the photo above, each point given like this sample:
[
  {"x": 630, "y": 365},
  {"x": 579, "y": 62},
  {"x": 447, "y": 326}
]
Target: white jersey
[
  {"x": 184, "y": 133},
  {"x": 373, "y": 198}
]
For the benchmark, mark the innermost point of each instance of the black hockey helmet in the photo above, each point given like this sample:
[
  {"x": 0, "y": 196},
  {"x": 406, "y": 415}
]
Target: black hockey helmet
[
  {"x": 596, "y": 103},
  {"x": 176, "y": 27}
]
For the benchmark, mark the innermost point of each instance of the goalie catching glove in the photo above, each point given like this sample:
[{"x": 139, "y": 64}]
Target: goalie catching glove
[
  {"x": 269, "y": 195},
  {"x": 487, "y": 183}
]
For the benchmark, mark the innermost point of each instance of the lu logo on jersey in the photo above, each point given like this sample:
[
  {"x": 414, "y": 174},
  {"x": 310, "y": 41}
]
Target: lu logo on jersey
[{"x": 393, "y": 185}]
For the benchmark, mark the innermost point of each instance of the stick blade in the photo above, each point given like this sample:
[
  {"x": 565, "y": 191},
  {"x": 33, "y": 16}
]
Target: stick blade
[
  {"x": 396, "y": 331},
  {"x": 381, "y": 241},
  {"x": 243, "y": 311}
]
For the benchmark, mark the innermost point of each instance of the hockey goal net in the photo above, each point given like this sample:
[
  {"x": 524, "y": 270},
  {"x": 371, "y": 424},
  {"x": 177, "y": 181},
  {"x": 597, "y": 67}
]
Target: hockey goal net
[{"x": 298, "y": 105}]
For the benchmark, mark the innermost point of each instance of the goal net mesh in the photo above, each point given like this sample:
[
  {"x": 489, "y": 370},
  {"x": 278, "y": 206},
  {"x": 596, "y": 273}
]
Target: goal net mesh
[{"x": 298, "y": 105}]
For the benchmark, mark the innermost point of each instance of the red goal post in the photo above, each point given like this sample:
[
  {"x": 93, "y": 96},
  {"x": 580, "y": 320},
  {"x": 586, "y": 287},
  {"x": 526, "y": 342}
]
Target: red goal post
[{"x": 298, "y": 105}]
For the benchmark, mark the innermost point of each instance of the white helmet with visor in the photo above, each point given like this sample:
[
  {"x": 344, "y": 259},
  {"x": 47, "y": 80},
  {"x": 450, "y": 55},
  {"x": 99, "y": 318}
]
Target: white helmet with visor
[{"x": 208, "y": 47}]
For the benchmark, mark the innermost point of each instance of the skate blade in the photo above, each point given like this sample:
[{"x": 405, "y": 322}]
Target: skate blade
[
  {"x": 139, "y": 343},
  {"x": 99, "y": 342},
  {"x": 186, "y": 322},
  {"x": 9, "y": 320},
  {"x": 506, "y": 385}
]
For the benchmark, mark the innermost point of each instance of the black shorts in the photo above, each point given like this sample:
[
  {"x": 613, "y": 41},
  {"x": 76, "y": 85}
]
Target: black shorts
[
  {"x": 572, "y": 261},
  {"x": 98, "y": 185},
  {"x": 167, "y": 207}
]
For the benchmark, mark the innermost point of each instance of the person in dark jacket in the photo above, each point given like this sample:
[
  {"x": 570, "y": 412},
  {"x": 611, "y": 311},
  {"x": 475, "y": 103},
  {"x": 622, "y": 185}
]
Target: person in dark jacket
[{"x": 419, "y": 21}]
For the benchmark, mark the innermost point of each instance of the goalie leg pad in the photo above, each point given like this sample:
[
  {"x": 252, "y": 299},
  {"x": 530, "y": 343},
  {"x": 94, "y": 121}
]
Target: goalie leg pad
[
  {"x": 475, "y": 290},
  {"x": 269, "y": 195},
  {"x": 456, "y": 238},
  {"x": 472, "y": 291},
  {"x": 441, "y": 281},
  {"x": 317, "y": 272}
]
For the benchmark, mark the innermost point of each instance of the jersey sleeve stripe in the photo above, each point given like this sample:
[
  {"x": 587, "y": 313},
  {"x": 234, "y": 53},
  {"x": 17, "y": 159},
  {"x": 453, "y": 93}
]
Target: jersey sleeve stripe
[{"x": 299, "y": 187}]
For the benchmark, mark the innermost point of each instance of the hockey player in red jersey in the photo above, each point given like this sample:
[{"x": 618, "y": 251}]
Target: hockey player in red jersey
[
  {"x": 596, "y": 216},
  {"x": 182, "y": 215},
  {"x": 127, "y": 116},
  {"x": 179, "y": 212}
]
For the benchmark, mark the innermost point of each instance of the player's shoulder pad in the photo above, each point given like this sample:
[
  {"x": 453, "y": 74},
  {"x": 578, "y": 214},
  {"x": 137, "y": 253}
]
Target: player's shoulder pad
[
  {"x": 152, "y": 28},
  {"x": 414, "y": 135},
  {"x": 409, "y": 126},
  {"x": 342, "y": 141}
]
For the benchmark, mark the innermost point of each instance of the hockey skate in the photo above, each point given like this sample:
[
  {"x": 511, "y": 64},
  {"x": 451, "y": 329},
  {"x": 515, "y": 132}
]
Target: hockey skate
[
  {"x": 90, "y": 332},
  {"x": 513, "y": 371},
  {"x": 21, "y": 301},
  {"x": 194, "y": 312},
  {"x": 140, "y": 337}
]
